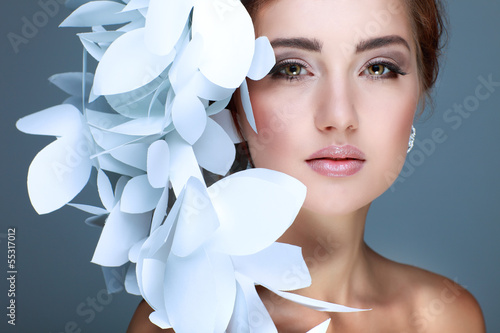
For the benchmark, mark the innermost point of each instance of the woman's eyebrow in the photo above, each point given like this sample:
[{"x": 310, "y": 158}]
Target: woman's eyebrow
[
  {"x": 308, "y": 44},
  {"x": 377, "y": 42}
]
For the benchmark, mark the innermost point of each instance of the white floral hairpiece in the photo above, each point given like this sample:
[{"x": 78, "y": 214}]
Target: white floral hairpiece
[{"x": 151, "y": 118}]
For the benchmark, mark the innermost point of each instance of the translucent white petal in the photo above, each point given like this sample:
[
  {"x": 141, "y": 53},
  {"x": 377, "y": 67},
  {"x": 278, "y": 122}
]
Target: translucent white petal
[
  {"x": 140, "y": 127},
  {"x": 255, "y": 207},
  {"x": 321, "y": 328},
  {"x": 128, "y": 65},
  {"x": 225, "y": 287},
  {"x": 239, "y": 319},
  {"x": 138, "y": 196},
  {"x": 189, "y": 116},
  {"x": 260, "y": 320},
  {"x": 183, "y": 163},
  {"x": 136, "y": 4},
  {"x": 153, "y": 275},
  {"x": 314, "y": 303},
  {"x": 119, "y": 234},
  {"x": 160, "y": 210},
  {"x": 190, "y": 292},
  {"x": 58, "y": 173},
  {"x": 58, "y": 120},
  {"x": 115, "y": 277},
  {"x": 160, "y": 319},
  {"x": 165, "y": 22},
  {"x": 185, "y": 65},
  {"x": 105, "y": 190},
  {"x": 108, "y": 163},
  {"x": 263, "y": 59},
  {"x": 279, "y": 266},
  {"x": 229, "y": 41},
  {"x": 209, "y": 90},
  {"x": 103, "y": 120},
  {"x": 215, "y": 150},
  {"x": 99, "y": 13},
  {"x": 197, "y": 219},
  {"x": 247, "y": 105},
  {"x": 225, "y": 120},
  {"x": 158, "y": 164},
  {"x": 135, "y": 104},
  {"x": 134, "y": 154},
  {"x": 71, "y": 83},
  {"x": 89, "y": 209},
  {"x": 131, "y": 285}
]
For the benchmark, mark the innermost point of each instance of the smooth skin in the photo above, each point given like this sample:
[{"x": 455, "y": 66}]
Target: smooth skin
[{"x": 340, "y": 81}]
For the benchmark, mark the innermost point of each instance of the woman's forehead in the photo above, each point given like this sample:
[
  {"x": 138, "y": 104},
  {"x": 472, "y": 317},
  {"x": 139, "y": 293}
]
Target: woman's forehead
[{"x": 335, "y": 20}]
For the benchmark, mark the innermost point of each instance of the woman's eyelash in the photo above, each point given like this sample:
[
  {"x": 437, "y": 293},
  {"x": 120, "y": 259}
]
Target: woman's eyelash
[
  {"x": 394, "y": 69},
  {"x": 276, "y": 71}
]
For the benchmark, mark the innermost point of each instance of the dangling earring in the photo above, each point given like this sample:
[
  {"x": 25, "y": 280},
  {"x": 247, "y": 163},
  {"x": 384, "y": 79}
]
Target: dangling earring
[{"x": 412, "y": 139}]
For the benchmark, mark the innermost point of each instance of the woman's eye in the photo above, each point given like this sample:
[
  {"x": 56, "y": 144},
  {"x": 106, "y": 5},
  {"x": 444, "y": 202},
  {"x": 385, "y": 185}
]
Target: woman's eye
[
  {"x": 378, "y": 70},
  {"x": 292, "y": 70},
  {"x": 289, "y": 70}
]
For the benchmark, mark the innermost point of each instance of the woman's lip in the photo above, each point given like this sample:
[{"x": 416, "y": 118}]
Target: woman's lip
[
  {"x": 337, "y": 161},
  {"x": 338, "y": 152}
]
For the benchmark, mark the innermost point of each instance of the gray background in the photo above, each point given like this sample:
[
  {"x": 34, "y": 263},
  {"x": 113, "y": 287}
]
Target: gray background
[{"x": 443, "y": 214}]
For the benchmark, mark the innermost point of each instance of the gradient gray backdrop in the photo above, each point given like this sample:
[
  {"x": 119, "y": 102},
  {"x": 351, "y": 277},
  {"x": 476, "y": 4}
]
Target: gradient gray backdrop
[{"x": 443, "y": 214}]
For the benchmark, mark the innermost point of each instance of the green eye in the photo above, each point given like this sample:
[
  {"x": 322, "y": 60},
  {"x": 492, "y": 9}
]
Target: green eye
[{"x": 377, "y": 70}]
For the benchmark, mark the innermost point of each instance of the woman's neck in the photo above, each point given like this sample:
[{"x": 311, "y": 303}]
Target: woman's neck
[{"x": 336, "y": 255}]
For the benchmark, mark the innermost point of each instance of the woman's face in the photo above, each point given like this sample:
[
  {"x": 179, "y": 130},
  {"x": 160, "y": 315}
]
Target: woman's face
[{"x": 337, "y": 109}]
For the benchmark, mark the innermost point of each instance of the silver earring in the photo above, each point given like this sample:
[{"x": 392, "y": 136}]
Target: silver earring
[{"x": 412, "y": 139}]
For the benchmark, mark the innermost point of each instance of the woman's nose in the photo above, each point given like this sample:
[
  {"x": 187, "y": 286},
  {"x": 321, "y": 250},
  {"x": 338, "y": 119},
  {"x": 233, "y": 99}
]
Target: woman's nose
[{"x": 335, "y": 107}]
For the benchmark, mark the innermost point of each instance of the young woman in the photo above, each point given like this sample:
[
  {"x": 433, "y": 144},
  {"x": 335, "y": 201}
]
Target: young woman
[{"x": 336, "y": 113}]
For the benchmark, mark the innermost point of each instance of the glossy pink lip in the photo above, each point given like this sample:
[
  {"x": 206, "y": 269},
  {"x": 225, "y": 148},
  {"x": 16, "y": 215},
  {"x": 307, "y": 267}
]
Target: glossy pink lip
[{"x": 337, "y": 161}]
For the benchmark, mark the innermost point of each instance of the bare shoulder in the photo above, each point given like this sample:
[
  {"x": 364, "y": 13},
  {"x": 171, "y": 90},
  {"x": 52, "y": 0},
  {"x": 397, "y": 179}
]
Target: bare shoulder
[
  {"x": 140, "y": 322},
  {"x": 441, "y": 304}
]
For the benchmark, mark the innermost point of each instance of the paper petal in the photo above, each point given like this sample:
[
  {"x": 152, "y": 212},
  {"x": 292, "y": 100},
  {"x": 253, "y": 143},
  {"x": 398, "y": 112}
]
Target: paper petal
[
  {"x": 140, "y": 126},
  {"x": 108, "y": 163},
  {"x": 153, "y": 274},
  {"x": 58, "y": 120},
  {"x": 256, "y": 309},
  {"x": 239, "y": 320},
  {"x": 160, "y": 319},
  {"x": 134, "y": 154},
  {"x": 279, "y": 266},
  {"x": 314, "y": 303},
  {"x": 105, "y": 190},
  {"x": 321, "y": 328},
  {"x": 95, "y": 13},
  {"x": 183, "y": 163},
  {"x": 229, "y": 41},
  {"x": 158, "y": 164},
  {"x": 58, "y": 173},
  {"x": 71, "y": 83},
  {"x": 247, "y": 105},
  {"x": 164, "y": 24},
  {"x": 98, "y": 13},
  {"x": 214, "y": 150},
  {"x": 136, "y": 4},
  {"x": 119, "y": 234},
  {"x": 197, "y": 219},
  {"x": 138, "y": 196},
  {"x": 128, "y": 65},
  {"x": 89, "y": 209},
  {"x": 189, "y": 116},
  {"x": 188, "y": 296},
  {"x": 97, "y": 221},
  {"x": 225, "y": 120},
  {"x": 263, "y": 59},
  {"x": 244, "y": 228},
  {"x": 115, "y": 278},
  {"x": 160, "y": 210},
  {"x": 131, "y": 285},
  {"x": 225, "y": 287}
]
